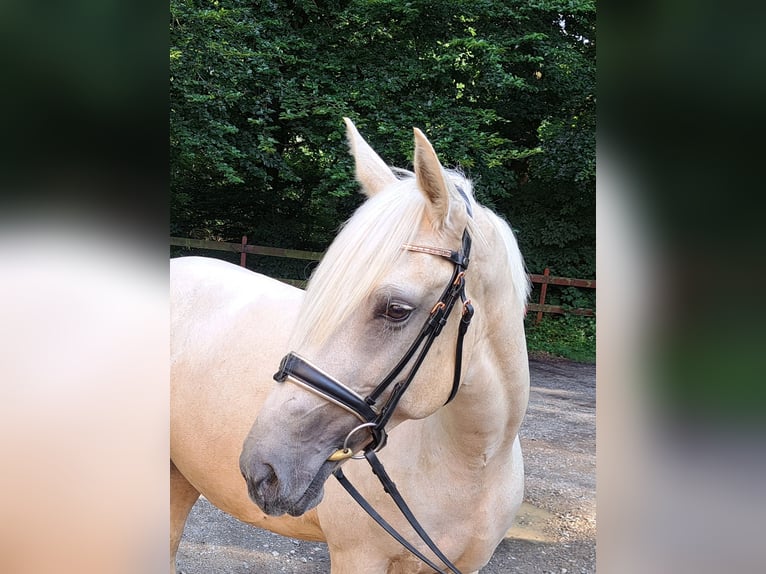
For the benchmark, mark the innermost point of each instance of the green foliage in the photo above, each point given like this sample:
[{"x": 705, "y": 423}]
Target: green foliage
[
  {"x": 569, "y": 336},
  {"x": 503, "y": 90}
]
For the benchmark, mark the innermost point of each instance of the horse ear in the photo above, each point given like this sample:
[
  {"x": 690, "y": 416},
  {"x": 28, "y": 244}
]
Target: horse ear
[
  {"x": 371, "y": 171},
  {"x": 430, "y": 179}
]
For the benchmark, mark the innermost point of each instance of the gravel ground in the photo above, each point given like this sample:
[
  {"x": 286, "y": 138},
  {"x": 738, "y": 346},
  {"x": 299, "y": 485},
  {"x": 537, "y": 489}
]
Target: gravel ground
[{"x": 555, "y": 531}]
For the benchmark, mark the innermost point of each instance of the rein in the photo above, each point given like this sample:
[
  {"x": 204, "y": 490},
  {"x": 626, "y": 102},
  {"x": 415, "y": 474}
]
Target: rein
[{"x": 375, "y": 418}]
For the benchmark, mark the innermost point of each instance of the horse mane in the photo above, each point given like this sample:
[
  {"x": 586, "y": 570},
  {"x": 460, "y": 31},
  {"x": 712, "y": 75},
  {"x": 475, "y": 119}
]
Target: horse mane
[
  {"x": 351, "y": 269},
  {"x": 522, "y": 285}
]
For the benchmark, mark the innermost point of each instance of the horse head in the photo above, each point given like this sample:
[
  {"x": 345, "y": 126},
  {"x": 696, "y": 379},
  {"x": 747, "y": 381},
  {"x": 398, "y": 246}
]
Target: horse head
[{"x": 378, "y": 286}]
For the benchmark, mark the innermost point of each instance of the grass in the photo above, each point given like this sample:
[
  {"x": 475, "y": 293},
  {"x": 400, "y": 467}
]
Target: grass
[{"x": 567, "y": 336}]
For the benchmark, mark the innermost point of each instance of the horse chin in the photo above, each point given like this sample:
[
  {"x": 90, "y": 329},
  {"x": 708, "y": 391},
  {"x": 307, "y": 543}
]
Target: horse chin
[{"x": 275, "y": 500}]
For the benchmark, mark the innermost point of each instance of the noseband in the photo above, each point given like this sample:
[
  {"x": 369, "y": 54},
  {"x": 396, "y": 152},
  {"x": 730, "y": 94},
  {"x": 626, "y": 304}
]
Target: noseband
[{"x": 375, "y": 417}]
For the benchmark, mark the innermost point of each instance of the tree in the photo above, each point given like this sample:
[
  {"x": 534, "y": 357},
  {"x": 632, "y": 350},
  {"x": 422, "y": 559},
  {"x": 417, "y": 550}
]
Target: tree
[{"x": 504, "y": 90}]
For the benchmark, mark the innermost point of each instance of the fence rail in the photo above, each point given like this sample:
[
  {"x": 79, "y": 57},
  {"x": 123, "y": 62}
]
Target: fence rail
[{"x": 244, "y": 249}]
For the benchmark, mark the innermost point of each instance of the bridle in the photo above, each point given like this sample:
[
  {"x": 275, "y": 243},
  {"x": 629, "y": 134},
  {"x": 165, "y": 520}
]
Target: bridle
[{"x": 298, "y": 370}]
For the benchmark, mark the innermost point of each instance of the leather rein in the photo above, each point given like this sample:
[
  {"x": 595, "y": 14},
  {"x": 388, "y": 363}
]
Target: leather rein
[{"x": 375, "y": 418}]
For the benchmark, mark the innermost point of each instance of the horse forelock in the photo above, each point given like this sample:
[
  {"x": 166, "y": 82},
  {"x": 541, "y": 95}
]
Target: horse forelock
[{"x": 366, "y": 250}]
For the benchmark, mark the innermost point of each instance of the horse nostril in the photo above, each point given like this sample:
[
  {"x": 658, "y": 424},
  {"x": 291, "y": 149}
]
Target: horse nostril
[
  {"x": 262, "y": 482},
  {"x": 269, "y": 478}
]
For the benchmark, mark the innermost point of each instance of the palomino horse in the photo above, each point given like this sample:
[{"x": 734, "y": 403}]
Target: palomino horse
[{"x": 458, "y": 466}]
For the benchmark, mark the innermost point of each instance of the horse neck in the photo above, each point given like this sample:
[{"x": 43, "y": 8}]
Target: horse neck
[{"x": 485, "y": 415}]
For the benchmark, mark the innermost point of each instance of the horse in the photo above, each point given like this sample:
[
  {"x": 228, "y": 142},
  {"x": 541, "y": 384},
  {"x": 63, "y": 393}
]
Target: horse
[{"x": 262, "y": 451}]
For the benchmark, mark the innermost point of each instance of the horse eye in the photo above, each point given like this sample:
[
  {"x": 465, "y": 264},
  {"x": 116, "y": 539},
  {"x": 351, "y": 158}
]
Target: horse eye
[{"x": 397, "y": 313}]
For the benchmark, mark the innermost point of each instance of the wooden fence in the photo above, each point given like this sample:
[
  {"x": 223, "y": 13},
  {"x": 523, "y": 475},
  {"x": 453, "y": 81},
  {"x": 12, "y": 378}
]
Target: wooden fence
[{"x": 244, "y": 248}]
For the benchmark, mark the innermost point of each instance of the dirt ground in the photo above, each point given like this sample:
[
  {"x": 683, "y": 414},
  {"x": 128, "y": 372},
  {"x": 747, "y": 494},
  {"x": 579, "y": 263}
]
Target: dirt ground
[{"x": 555, "y": 531}]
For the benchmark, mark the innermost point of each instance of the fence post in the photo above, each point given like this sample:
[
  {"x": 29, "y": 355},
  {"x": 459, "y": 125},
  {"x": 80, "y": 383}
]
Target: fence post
[
  {"x": 543, "y": 291},
  {"x": 243, "y": 257}
]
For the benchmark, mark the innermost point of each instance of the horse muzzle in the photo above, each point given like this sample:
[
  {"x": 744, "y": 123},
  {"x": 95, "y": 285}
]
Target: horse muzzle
[{"x": 277, "y": 490}]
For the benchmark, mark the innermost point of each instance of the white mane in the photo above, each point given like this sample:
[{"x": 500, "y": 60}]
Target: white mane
[{"x": 519, "y": 277}]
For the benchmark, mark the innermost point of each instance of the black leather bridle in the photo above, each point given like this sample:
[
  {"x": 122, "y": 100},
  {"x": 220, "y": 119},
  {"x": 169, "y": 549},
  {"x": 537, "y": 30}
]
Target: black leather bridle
[{"x": 375, "y": 418}]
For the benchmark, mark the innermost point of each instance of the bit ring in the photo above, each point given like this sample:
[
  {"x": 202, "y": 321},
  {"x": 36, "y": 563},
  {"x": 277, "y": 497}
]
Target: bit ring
[{"x": 346, "y": 452}]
